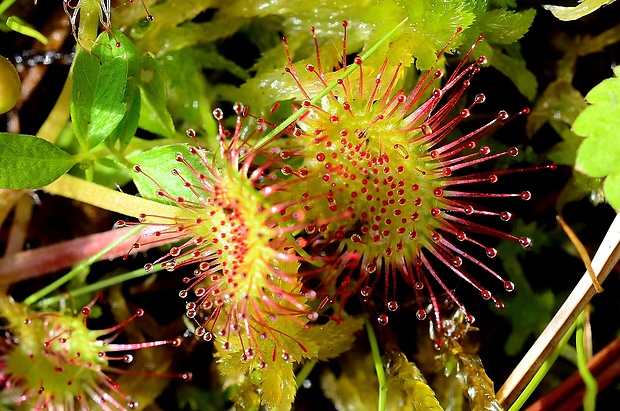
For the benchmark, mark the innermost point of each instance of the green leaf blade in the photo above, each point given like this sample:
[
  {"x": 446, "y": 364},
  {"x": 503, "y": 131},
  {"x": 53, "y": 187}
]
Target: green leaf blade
[
  {"x": 29, "y": 162},
  {"x": 154, "y": 114},
  {"x": 157, "y": 163},
  {"x": 101, "y": 80},
  {"x": 599, "y": 154}
]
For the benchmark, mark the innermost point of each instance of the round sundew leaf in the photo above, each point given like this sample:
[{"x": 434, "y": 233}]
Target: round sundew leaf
[
  {"x": 28, "y": 162},
  {"x": 158, "y": 164}
]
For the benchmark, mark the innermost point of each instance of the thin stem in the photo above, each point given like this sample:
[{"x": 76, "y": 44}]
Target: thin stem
[
  {"x": 291, "y": 119},
  {"x": 108, "y": 199},
  {"x": 376, "y": 357},
  {"x": 303, "y": 374},
  {"x": 100, "y": 285},
  {"x": 90, "y": 174},
  {"x": 542, "y": 371},
  {"x": 79, "y": 268},
  {"x": 589, "y": 398},
  {"x": 605, "y": 259}
]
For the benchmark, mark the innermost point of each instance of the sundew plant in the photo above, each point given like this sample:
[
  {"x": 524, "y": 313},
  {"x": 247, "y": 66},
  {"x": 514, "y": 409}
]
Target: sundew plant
[{"x": 249, "y": 205}]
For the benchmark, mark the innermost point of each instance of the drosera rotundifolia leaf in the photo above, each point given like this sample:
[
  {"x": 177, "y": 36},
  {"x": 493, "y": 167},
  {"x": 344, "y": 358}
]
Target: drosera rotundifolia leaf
[
  {"x": 599, "y": 154},
  {"x": 30, "y": 162},
  {"x": 159, "y": 161}
]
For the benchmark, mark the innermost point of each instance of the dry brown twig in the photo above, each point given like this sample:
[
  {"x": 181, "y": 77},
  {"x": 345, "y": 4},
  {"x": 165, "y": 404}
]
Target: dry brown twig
[{"x": 605, "y": 259}]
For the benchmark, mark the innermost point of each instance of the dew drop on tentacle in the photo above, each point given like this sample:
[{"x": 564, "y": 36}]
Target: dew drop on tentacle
[
  {"x": 505, "y": 216},
  {"x": 420, "y": 314},
  {"x": 526, "y": 195},
  {"x": 365, "y": 291},
  {"x": 509, "y": 286},
  {"x": 371, "y": 268},
  {"x": 383, "y": 319}
]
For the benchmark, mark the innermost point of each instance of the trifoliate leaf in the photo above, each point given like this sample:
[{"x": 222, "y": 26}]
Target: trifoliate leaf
[{"x": 599, "y": 154}]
